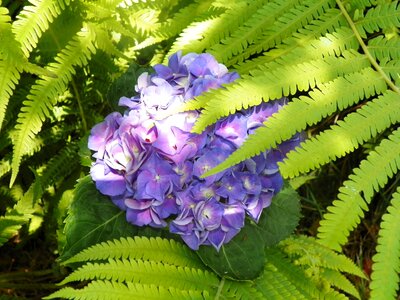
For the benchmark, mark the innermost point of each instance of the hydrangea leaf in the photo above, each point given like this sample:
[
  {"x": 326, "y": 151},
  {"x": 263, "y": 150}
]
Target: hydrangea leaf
[
  {"x": 280, "y": 219},
  {"x": 93, "y": 218},
  {"x": 243, "y": 257}
]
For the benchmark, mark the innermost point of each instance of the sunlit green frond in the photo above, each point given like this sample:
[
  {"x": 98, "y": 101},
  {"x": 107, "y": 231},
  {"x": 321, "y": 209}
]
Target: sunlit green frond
[
  {"x": 306, "y": 111},
  {"x": 187, "y": 17},
  {"x": 34, "y": 20},
  {"x": 284, "y": 26},
  {"x": 308, "y": 251},
  {"x": 356, "y": 193},
  {"x": 355, "y": 129},
  {"x": 383, "y": 16},
  {"x": 339, "y": 281},
  {"x": 146, "y": 272},
  {"x": 44, "y": 93},
  {"x": 382, "y": 48},
  {"x": 19, "y": 215},
  {"x": 251, "y": 29},
  {"x": 103, "y": 290},
  {"x": 265, "y": 85},
  {"x": 11, "y": 62},
  {"x": 392, "y": 69},
  {"x": 219, "y": 28},
  {"x": 272, "y": 284},
  {"x": 304, "y": 46},
  {"x": 278, "y": 263},
  {"x": 386, "y": 266},
  {"x": 155, "y": 249}
]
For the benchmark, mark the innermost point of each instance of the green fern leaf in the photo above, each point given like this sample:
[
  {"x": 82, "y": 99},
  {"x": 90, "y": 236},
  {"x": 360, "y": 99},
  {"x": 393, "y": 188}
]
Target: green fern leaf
[
  {"x": 386, "y": 266},
  {"x": 277, "y": 262},
  {"x": 382, "y": 16},
  {"x": 382, "y": 48},
  {"x": 44, "y": 93},
  {"x": 32, "y": 21},
  {"x": 105, "y": 290},
  {"x": 340, "y": 281},
  {"x": 155, "y": 249},
  {"x": 392, "y": 69},
  {"x": 266, "y": 85},
  {"x": 284, "y": 26},
  {"x": 227, "y": 22},
  {"x": 251, "y": 29},
  {"x": 146, "y": 272},
  {"x": 304, "y": 46},
  {"x": 11, "y": 62},
  {"x": 21, "y": 213},
  {"x": 344, "y": 137},
  {"x": 356, "y": 193},
  {"x": 294, "y": 117},
  {"x": 309, "y": 252},
  {"x": 272, "y": 284}
]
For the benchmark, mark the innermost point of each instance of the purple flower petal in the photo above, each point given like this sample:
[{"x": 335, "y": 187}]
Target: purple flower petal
[{"x": 107, "y": 182}]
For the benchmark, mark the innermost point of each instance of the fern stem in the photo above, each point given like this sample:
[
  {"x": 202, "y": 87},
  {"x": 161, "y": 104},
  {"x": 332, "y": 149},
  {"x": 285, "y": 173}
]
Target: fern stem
[
  {"x": 220, "y": 286},
  {"x": 78, "y": 99},
  {"x": 365, "y": 48}
]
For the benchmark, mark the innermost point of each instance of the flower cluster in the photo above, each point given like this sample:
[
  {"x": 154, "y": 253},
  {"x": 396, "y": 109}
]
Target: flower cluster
[{"x": 150, "y": 163}]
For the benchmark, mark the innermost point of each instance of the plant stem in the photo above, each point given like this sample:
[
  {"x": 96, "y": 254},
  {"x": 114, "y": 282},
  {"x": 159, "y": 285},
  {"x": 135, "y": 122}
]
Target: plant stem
[
  {"x": 220, "y": 286},
  {"x": 365, "y": 49}
]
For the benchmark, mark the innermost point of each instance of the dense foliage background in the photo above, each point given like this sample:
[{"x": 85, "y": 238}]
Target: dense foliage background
[{"x": 63, "y": 66}]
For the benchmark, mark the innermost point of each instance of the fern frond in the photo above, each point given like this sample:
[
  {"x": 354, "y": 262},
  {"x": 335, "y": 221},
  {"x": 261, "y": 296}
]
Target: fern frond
[
  {"x": 19, "y": 215},
  {"x": 383, "y": 16},
  {"x": 155, "y": 249},
  {"x": 226, "y": 23},
  {"x": 338, "y": 280},
  {"x": 386, "y": 266},
  {"x": 146, "y": 272},
  {"x": 284, "y": 26},
  {"x": 356, "y": 193},
  {"x": 272, "y": 284},
  {"x": 276, "y": 262},
  {"x": 104, "y": 290},
  {"x": 265, "y": 85},
  {"x": 304, "y": 46},
  {"x": 356, "y": 128},
  {"x": 246, "y": 34},
  {"x": 44, "y": 93},
  {"x": 11, "y": 62},
  {"x": 382, "y": 48},
  {"x": 391, "y": 68},
  {"x": 309, "y": 252},
  {"x": 296, "y": 115},
  {"x": 34, "y": 19}
]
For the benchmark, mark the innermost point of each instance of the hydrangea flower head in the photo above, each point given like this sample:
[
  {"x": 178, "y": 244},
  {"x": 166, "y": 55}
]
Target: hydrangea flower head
[{"x": 150, "y": 163}]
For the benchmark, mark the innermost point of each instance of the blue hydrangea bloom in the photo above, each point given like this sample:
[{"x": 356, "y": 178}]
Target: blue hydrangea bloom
[{"x": 150, "y": 164}]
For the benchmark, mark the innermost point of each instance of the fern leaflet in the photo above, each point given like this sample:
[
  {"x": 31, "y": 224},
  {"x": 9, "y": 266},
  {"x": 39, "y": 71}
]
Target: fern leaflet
[
  {"x": 383, "y": 16},
  {"x": 373, "y": 173},
  {"x": 296, "y": 115},
  {"x": 34, "y": 20},
  {"x": 381, "y": 48},
  {"x": 265, "y": 85},
  {"x": 344, "y": 137},
  {"x": 44, "y": 93},
  {"x": 104, "y": 290},
  {"x": 145, "y": 272},
  {"x": 386, "y": 267},
  {"x": 155, "y": 249}
]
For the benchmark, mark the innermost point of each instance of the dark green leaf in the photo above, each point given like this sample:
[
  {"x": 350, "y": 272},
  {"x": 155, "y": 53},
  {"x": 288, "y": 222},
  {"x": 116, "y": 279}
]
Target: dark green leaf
[
  {"x": 93, "y": 218},
  {"x": 243, "y": 257},
  {"x": 280, "y": 219}
]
